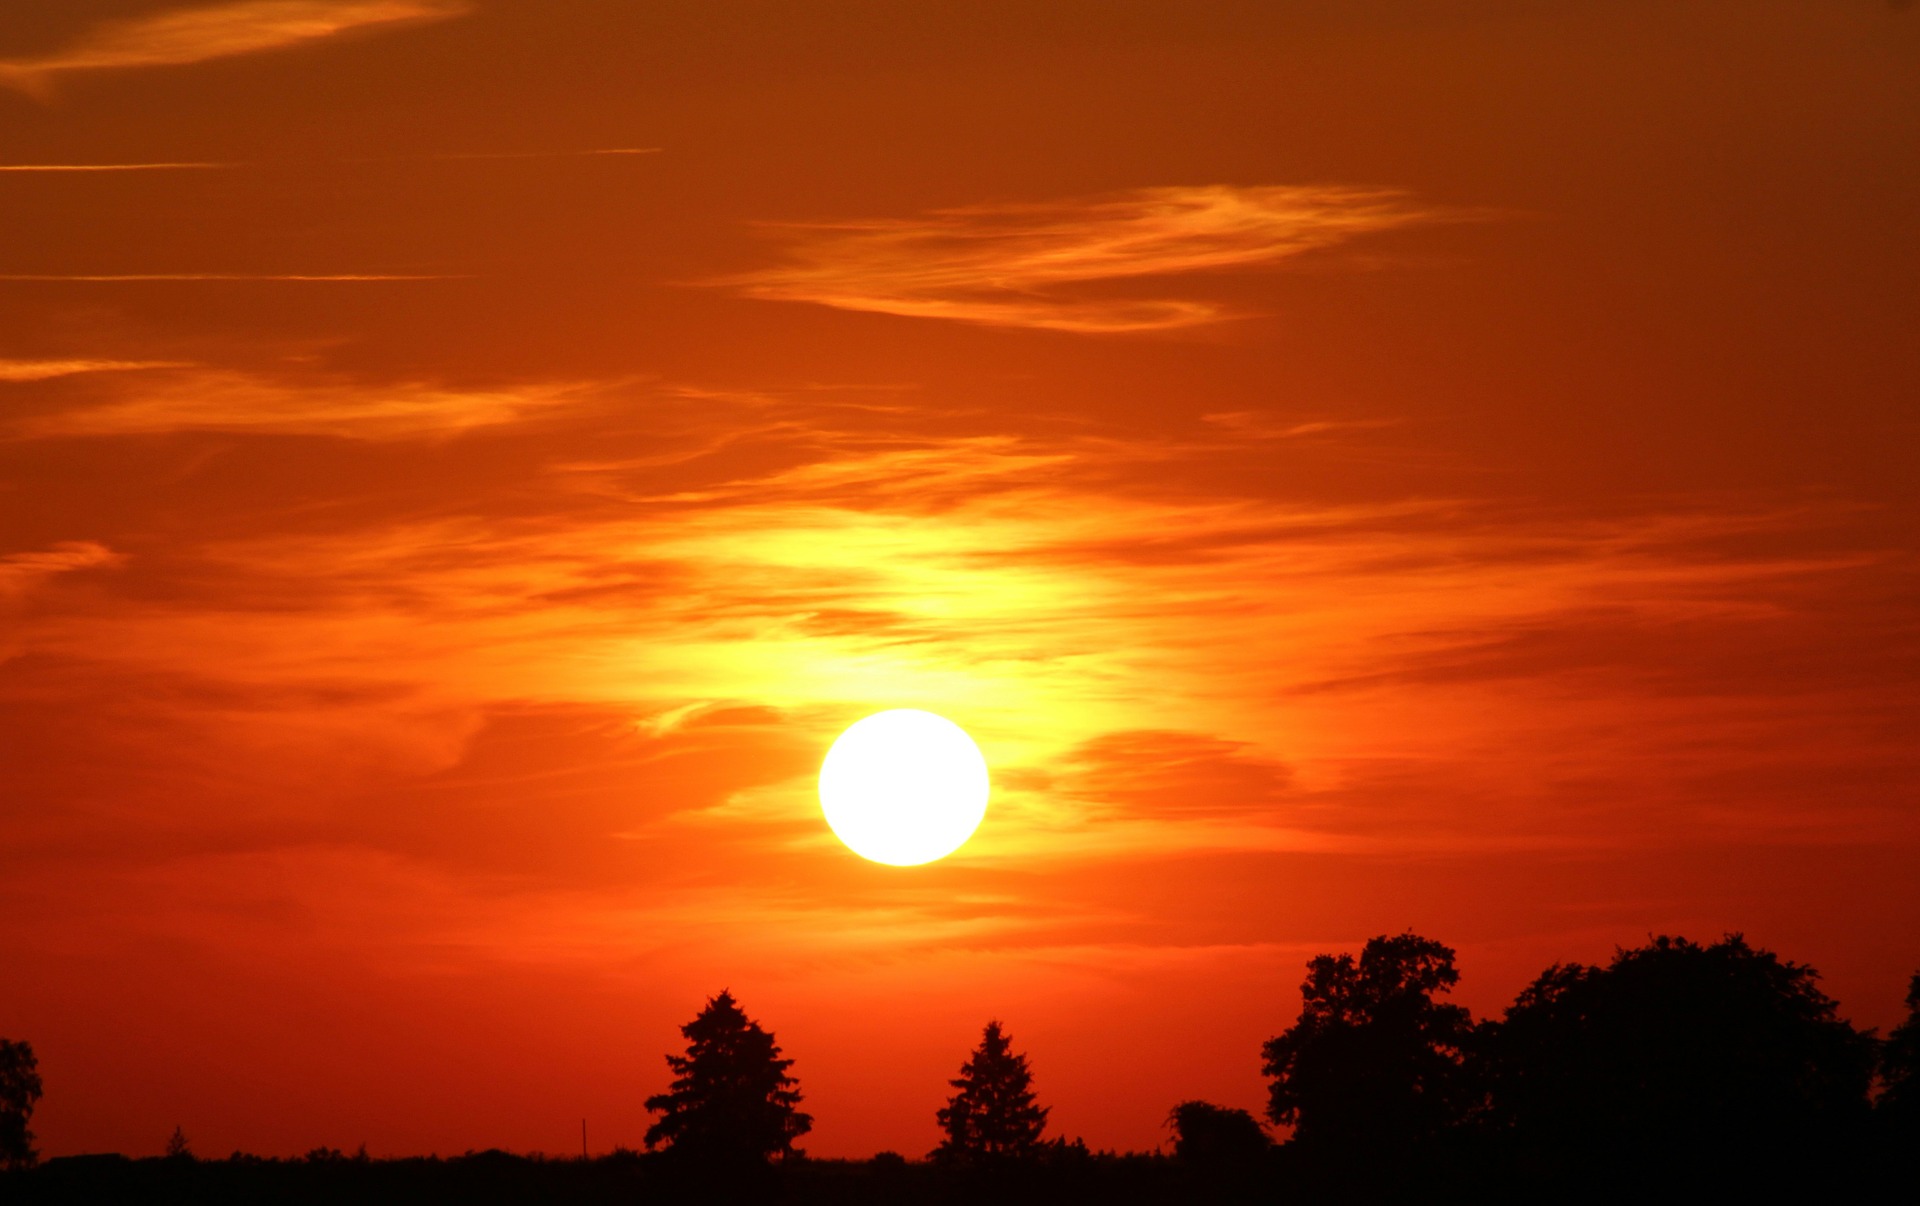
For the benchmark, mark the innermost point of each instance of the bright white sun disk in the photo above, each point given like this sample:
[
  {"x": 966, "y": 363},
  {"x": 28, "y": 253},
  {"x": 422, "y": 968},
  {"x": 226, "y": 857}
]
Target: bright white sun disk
[{"x": 904, "y": 787}]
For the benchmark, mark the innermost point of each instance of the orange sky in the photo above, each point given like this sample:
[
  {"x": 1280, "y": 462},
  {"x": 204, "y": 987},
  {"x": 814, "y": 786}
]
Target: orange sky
[{"x": 1352, "y": 466}]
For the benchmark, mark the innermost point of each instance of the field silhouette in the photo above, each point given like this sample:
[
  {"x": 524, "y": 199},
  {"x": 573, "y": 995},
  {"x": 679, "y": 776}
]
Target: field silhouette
[{"x": 1677, "y": 1070}]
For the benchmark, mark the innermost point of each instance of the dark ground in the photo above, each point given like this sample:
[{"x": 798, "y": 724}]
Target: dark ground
[{"x": 1882, "y": 1175}]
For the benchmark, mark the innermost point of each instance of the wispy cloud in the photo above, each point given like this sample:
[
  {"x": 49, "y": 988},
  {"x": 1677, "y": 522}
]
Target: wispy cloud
[
  {"x": 228, "y": 401},
  {"x": 115, "y": 277},
  {"x": 216, "y": 31},
  {"x": 586, "y": 154},
  {"x": 42, "y": 370},
  {"x": 1027, "y": 265},
  {"x": 109, "y": 167},
  {"x": 1249, "y": 425},
  {"x": 20, "y": 572},
  {"x": 209, "y": 165}
]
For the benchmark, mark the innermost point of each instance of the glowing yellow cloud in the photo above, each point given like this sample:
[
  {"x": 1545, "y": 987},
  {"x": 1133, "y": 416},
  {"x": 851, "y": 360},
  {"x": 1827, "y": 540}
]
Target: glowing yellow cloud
[{"x": 1093, "y": 638}]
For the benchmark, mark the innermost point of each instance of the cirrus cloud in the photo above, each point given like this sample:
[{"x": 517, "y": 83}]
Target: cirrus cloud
[
  {"x": 43, "y": 370},
  {"x": 20, "y": 572},
  {"x": 220, "y": 400},
  {"x": 216, "y": 31},
  {"x": 1025, "y": 265}
]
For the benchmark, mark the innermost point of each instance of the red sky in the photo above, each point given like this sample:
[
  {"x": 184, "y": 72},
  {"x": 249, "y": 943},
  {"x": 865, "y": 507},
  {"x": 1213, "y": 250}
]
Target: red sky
[{"x": 1352, "y": 465}]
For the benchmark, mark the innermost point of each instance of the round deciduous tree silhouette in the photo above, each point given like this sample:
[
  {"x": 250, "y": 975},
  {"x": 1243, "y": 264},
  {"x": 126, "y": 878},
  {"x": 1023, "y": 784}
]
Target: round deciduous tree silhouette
[
  {"x": 1374, "y": 1064},
  {"x": 1677, "y": 1052}
]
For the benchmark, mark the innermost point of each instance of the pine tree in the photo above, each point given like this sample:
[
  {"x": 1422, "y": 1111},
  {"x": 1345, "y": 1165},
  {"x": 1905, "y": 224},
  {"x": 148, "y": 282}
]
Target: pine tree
[
  {"x": 731, "y": 1100},
  {"x": 993, "y": 1114}
]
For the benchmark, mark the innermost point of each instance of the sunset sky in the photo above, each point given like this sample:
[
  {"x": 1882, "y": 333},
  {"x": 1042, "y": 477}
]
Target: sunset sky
[{"x": 1352, "y": 465}]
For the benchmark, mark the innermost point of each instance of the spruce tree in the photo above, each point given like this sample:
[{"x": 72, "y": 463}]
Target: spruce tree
[
  {"x": 993, "y": 1115},
  {"x": 731, "y": 1101}
]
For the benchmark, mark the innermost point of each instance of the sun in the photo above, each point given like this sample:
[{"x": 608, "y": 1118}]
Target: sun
[{"x": 904, "y": 787}]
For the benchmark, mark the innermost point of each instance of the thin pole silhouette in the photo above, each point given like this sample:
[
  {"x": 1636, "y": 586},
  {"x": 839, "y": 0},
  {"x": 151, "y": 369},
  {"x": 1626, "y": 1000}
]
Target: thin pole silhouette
[{"x": 583, "y": 1140}]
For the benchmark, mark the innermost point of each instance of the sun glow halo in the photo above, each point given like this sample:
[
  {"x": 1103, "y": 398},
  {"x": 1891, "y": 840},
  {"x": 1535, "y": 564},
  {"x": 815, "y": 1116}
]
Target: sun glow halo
[{"x": 904, "y": 787}]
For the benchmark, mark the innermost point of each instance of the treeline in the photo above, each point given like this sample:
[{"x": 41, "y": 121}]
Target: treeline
[{"x": 1675, "y": 1070}]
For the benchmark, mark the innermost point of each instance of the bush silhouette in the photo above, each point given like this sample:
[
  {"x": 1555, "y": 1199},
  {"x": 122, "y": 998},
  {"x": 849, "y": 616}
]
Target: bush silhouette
[
  {"x": 731, "y": 1101},
  {"x": 1675, "y": 1052},
  {"x": 993, "y": 1116},
  {"x": 1374, "y": 1063},
  {"x": 1209, "y": 1135},
  {"x": 19, "y": 1092}
]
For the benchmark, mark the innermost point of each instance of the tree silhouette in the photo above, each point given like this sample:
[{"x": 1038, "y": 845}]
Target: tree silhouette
[
  {"x": 177, "y": 1148},
  {"x": 1676, "y": 1052},
  {"x": 731, "y": 1101},
  {"x": 1900, "y": 1066},
  {"x": 1374, "y": 1062},
  {"x": 1207, "y": 1134},
  {"x": 993, "y": 1115},
  {"x": 19, "y": 1091}
]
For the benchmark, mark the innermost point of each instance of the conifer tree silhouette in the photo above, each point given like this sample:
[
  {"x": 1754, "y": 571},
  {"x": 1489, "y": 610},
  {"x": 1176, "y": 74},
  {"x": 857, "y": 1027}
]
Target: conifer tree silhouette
[
  {"x": 19, "y": 1090},
  {"x": 731, "y": 1101},
  {"x": 993, "y": 1115}
]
